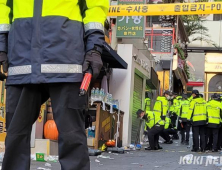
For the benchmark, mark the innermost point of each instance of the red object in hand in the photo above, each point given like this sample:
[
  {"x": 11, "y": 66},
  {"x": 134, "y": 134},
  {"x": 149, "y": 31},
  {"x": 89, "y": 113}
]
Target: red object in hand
[{"x": 85, "y": 83}]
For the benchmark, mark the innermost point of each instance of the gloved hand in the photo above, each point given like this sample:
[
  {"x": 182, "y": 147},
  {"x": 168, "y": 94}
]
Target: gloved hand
[
  {"x": 93, "y": 59},
  {"x": 4, "y": 61}
]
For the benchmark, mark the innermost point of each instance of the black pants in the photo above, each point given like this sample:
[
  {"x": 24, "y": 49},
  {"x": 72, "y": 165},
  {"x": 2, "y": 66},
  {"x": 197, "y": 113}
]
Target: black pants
[
  {"x": 22, "y": 109},
  {"x": 166, "y": 134},
  {"x": 214, "y": 132},
  {"x": 185, "y": 129},
  {"x": 199, "y": 131},
  {"x": 153, "y": 136},
  {"x": 220, "y": 138}
]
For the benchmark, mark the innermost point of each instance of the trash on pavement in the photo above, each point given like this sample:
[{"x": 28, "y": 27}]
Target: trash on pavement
[
  {"x": 135, "y": 163},
  {"x": 97, "y": 161},
  {"x": 2, "y": 156},
  {"x": 40, "y": 157},
  {"x": 53, "y": 158},
  {"x": 48, "y": 165},
  {"x": 40, "y": 168},
  {"x": 157, "y": 166},
  {"x": 33, "y": 157},
  {"x": 104, "y": 157}
]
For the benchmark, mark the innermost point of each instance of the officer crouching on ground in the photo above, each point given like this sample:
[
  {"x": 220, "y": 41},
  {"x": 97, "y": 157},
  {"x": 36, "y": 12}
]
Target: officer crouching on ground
[
  {"x": 214, "y": 108},
  {"x": 155, "y": 126},
  {"x": 169, "y": 129}
]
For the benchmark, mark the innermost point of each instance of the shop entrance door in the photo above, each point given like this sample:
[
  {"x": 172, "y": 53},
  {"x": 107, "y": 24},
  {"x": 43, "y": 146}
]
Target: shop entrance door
[
  {"x": 137, "y": 104},
  {"x": 215, "y": 84}
]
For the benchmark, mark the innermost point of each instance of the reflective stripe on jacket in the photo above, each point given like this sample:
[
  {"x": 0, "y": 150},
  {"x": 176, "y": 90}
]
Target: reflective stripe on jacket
[
  {"x": 147, "y": 104},
  {"x": 161, "y": 106},
  {"x": 48, "y": 38},
  {"x": 214, "y": 113},
  {"x": 197, "y": 112},
  {"x": 167, "y": 122},
  {"x": 153, "y": 119},
  {"x": 184, "y": 109}
]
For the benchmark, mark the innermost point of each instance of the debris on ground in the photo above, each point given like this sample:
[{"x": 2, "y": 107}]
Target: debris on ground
[
  {"x": 104, "y": 157},
  {"x": 40, "y": 168},
  {"x": 48, "y": 165},
  {"x": 157, "y": 166},
  {"x": 52, "y": 158},
  {"x": 2, "y": 156},
  {"x": 134, "y": 163},
  {"x": 97, "y": 161}
]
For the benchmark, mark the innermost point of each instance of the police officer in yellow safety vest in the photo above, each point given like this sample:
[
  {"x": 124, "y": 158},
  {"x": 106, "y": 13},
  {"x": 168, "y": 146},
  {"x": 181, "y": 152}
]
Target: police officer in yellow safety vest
[
  {"x": 147, "y": 102},
  {"x": 161, "y": 105},
  {"x": 155, "y": 126},
  {"x": 214, "y": 109},
  {"x": 198, "y": 115},
  {"x": 46, "y": 46},
  {"x": 185, "y": 126},
  {"x": 175, "y": 112}
]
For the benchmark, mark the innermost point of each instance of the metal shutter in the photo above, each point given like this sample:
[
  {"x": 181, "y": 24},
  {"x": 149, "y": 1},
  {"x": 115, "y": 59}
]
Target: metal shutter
[{"x": 137, "y": 104}]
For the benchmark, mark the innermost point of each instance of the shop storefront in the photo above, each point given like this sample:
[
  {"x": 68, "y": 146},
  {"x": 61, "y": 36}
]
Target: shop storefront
[
  {"x": 130, "y": 87},
  {"x": 213, "y": 77}
]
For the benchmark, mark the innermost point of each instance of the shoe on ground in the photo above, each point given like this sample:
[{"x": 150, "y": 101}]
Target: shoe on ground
[
  {"x": 202, "y": 150},
  {"x": 159, "y": 147},
  {"x": 214, "y": 150},
  {"x": 195, "y": 150},
  {"x": 186, "y": 143},
  {"x": 149, "y": 149},
  {"x": 182, "y": 142},
  {"x": 169, "y": 142}
]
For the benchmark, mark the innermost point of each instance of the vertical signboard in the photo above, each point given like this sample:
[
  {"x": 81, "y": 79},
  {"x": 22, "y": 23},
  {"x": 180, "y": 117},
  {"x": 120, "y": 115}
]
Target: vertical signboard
[{"x": 131, "y": 26}]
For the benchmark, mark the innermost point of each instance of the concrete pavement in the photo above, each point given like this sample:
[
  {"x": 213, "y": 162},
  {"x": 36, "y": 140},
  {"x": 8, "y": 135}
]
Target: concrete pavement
[{"x": 166, "y": 159}]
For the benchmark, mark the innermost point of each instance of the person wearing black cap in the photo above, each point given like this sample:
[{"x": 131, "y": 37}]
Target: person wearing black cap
[
  {"x": 198, "y": 115},
  {"x": 155, "y": 126},
  {"x": 185, "y": 125},
  {"x": 214, "y": 116}
]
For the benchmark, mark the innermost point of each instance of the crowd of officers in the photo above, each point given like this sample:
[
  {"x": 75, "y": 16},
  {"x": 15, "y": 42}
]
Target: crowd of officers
[{"x": 172, "y": 114}]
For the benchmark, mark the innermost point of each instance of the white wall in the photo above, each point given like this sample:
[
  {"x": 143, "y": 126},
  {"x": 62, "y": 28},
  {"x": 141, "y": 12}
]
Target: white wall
[
  {"x": 122, "y": 84},
  {"x": 120, "y": 87},
  {"x": 215, "y": 34}
]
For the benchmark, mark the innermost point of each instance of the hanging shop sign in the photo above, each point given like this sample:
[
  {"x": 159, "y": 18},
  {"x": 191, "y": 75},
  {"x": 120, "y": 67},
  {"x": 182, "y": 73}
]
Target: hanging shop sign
[
  {"x": 143, "y": 64},
  {"x": 130, "y": 26},
  {"x": 213, "y": 62},
  {"x": 165, "y": 9}
]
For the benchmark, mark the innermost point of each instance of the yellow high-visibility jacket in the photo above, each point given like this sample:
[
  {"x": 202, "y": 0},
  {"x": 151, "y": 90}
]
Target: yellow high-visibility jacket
[
  {"x": 48, "y": 39},
  {"x": 197, "y": 112}
]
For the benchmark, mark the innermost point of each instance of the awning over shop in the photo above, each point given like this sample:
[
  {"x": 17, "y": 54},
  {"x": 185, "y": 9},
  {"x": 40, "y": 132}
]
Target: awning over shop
[
  {"x": 153, "y": 81},
  {"x": 195, "y": 84},
  {"x": 110, "y": 57},
  {"x": 181, "y": 75}
]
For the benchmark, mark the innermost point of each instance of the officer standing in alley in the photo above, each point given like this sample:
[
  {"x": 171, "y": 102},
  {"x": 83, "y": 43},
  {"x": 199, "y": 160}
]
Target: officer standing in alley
[
  {"x": 214, "y": 115},
  {"x": 161, "y": 105},
  {"x": 51, "y": 44},
  {"x": 198, "y": 116},
  {"x": 185, "y": 125}
]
